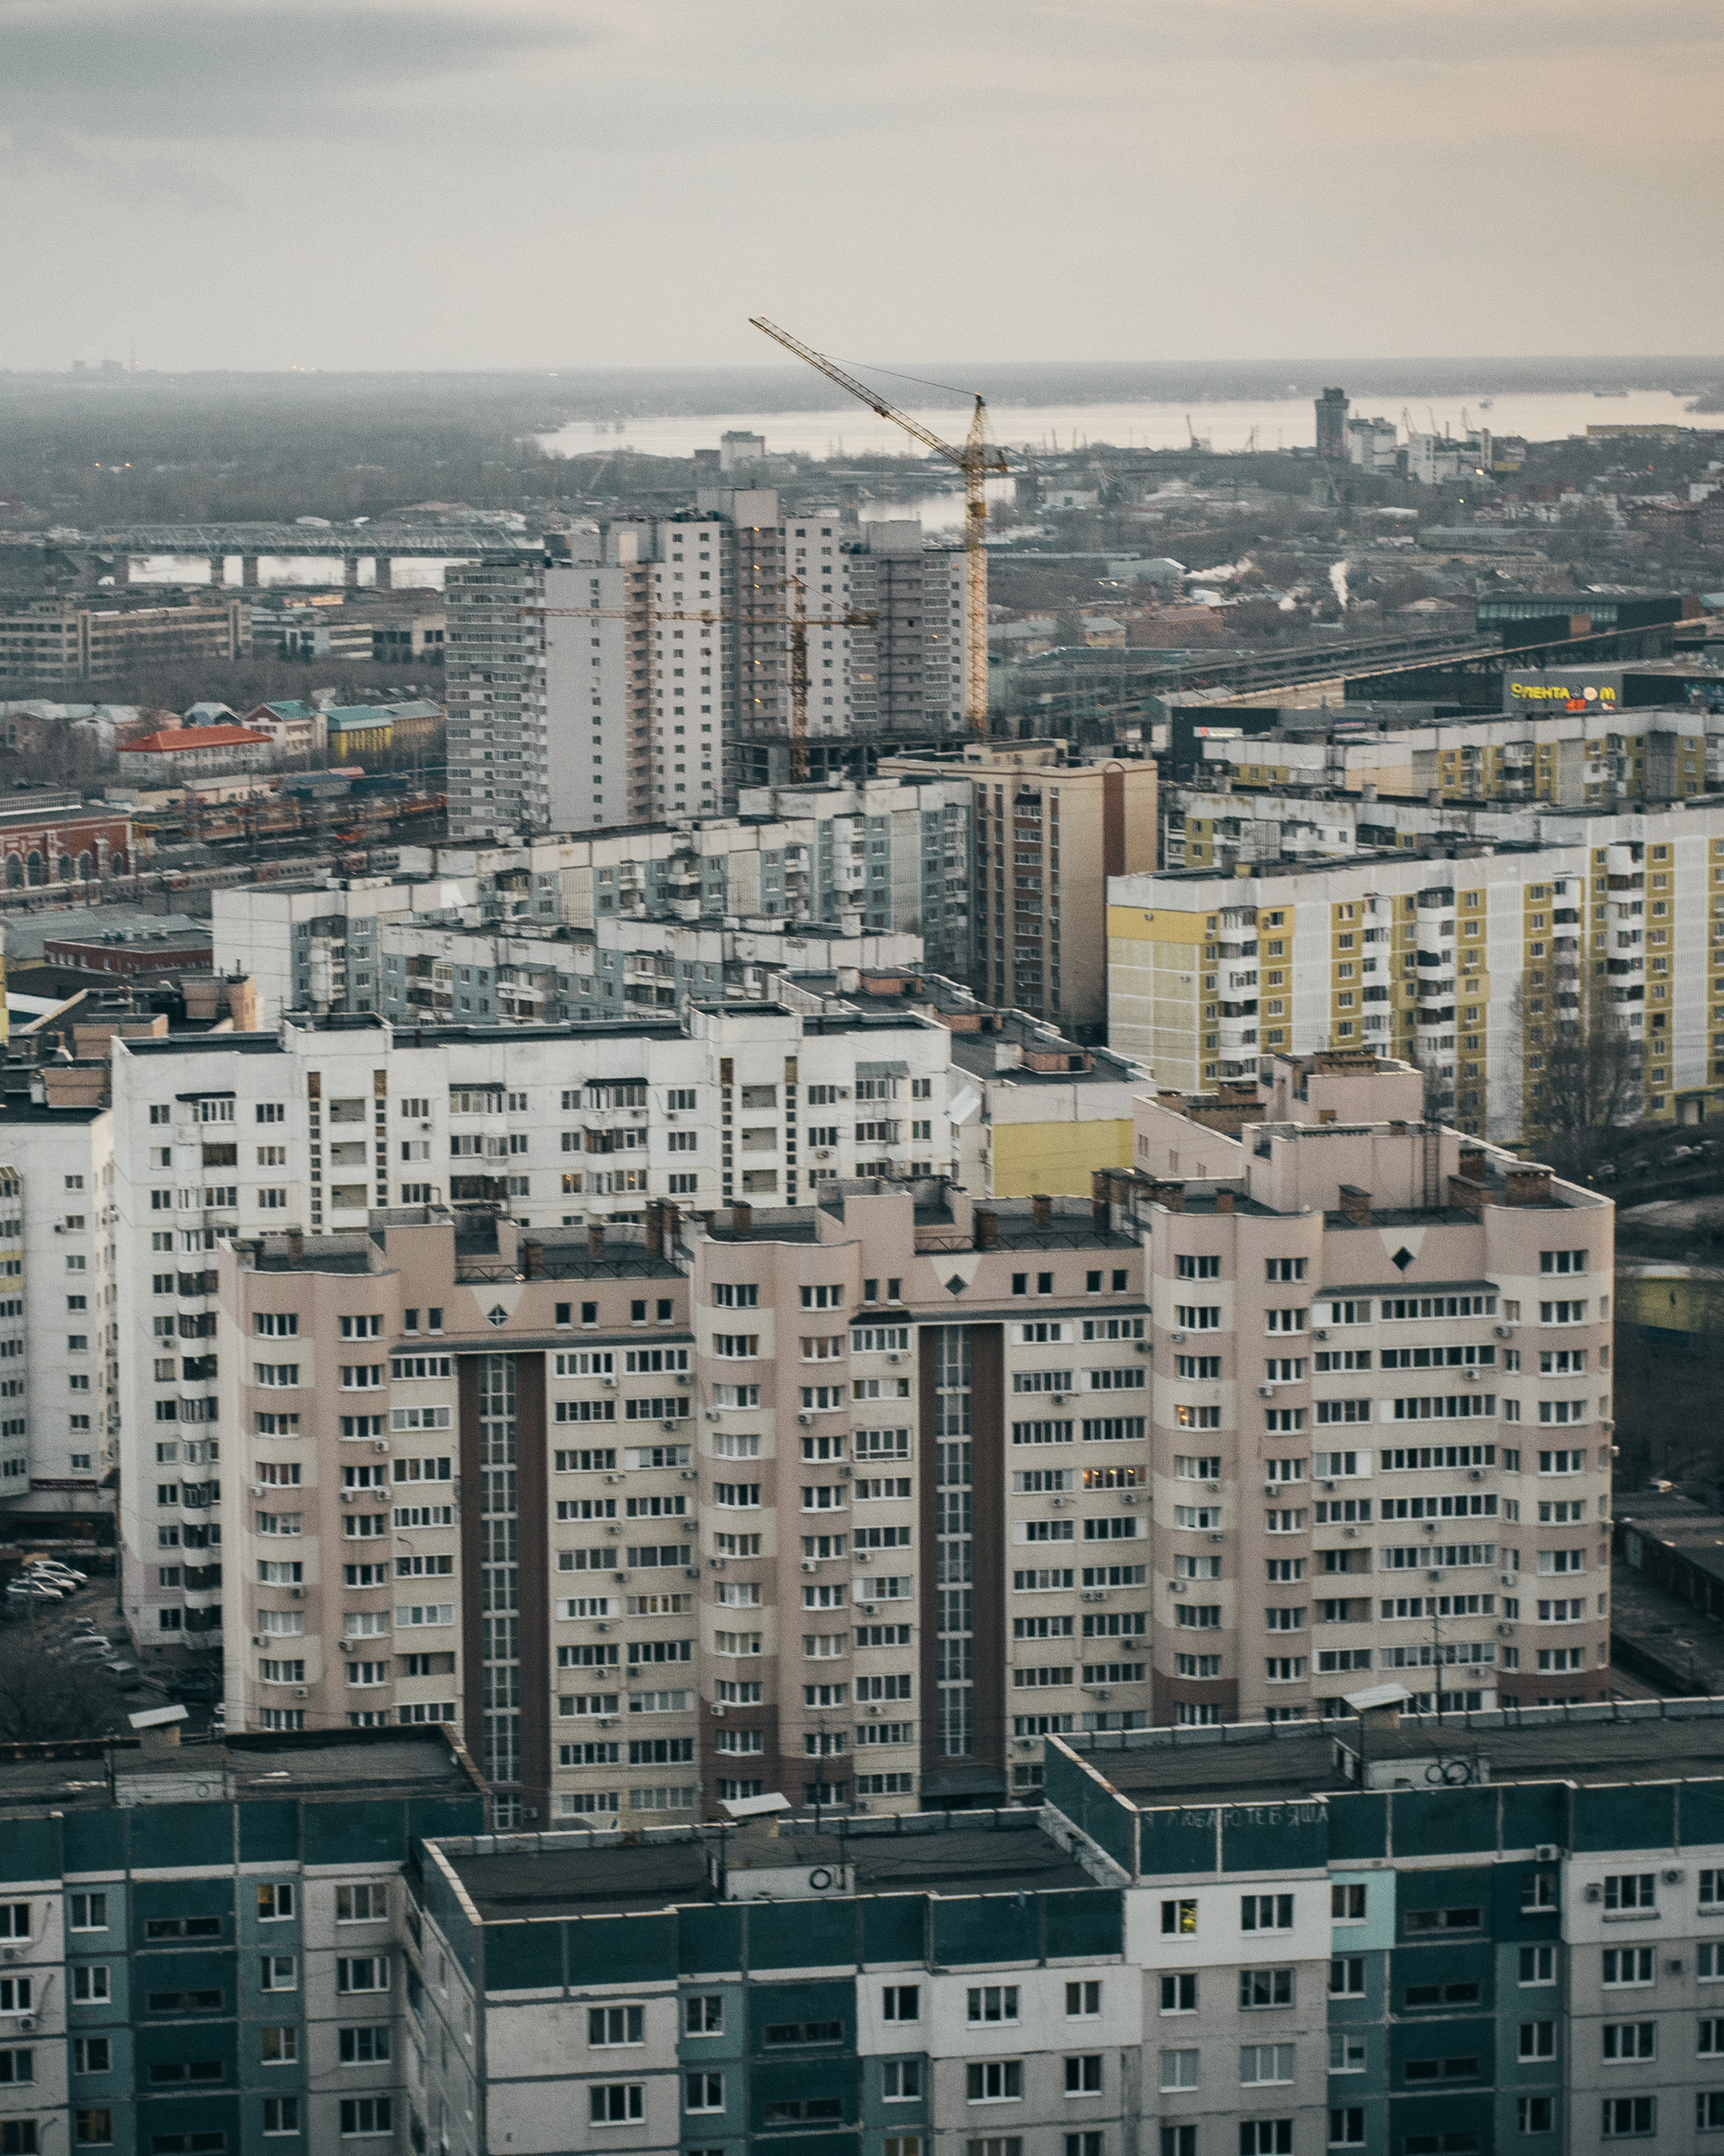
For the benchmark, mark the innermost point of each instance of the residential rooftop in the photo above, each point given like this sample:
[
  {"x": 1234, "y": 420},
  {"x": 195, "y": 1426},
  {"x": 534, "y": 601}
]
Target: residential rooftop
[
  {"x": 329, "y": 1766},
  {"x": 602, "y": 1874},
  {"x": 1594, "y": 1744}
]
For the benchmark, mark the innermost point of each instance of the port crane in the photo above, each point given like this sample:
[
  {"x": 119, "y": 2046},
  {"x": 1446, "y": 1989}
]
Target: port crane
[{"x": 976, "y": 458}]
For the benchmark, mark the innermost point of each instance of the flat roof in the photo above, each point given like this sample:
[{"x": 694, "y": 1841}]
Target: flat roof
[
  {"x": 603, "y": 1875},
  {"x": 1256, "y": 1763},
  {"x": 331, "y": 1766}
]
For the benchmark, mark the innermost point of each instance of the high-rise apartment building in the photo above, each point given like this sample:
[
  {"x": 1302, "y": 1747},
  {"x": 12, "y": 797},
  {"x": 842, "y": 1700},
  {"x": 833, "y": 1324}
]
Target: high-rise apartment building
[
  {"x": 1479, "y": 968},
  {"x": 606, "y": 923},
  {"x": 1048, "y": 835},
  {"x": 498, "y": 740},
  {"x": 849, "y": 1500},
  {"x": 59, "y": 1333},
  {"x": 316, "y": 1128},
  {"x": 1381, "y": 1421}
]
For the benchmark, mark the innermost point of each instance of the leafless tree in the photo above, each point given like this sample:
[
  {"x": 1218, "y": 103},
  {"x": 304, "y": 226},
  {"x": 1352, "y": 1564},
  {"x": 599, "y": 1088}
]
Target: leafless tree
[
  {"x": 1584, "y": 1076},
  {"x": 45, "y": 1697}
]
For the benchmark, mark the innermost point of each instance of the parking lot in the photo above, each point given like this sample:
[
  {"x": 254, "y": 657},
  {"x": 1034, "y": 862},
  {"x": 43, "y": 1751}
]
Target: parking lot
[{"x": 57, "y": 1624}]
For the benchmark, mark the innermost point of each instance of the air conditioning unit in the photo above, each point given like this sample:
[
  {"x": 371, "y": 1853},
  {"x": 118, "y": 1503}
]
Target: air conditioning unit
[
  {"x": 380, "y": 1445},
  {"x": 1265, "y": 1391},
  {"x": 11, "y": 1954},
  {"x": 1272, "y": 1489},
  {"x": 810, "y": 1564},
  {"x": 1212, "y": 1486},
  {"x": 297, "y": 1593},
  {"x": 1353, "y": 1531},
  {"x": 1505, "y": 1631},
  {"x": 27, "y": 2022},
  {"x": 1176, "y": 1587},
  {"x": 1547, "y": 1852},
  {"x": 620, "y": 1577},
  {"x": 1475, "y": 1475},
  {"x": 687, "y": 1475},
  {"x": 258, "y": 1489},
  {"x": 1144, "y": 1347},
  {"x": 1673, "y": 1878},
  {"x": 1505, "y": 1332},
  {"x": 257, "y": 1639},
  {"x": 805, "y": 1418},
  {"x": 348, "y": 1496},
  {"x": 615, "y": 1528},
  {"x": 1319, "y": 1332},
  {"x": 895, "y": 1357},
  {"x": 1433, "y": 1575},
  {"x": 1595, "y": 1893},
  {"x": 300, "y": 1691},
  {"x": 1058, "y": 1503},
  {"x": 1128, "y": 1499},
  {"x": 712, "y": 1414},
  {"x": 608, "y": 1379},
  {"x": 1178, "y": 1338}
]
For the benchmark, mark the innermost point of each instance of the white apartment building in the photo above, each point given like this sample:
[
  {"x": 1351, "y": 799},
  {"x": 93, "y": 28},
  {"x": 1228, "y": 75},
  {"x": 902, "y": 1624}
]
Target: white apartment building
[
  {"x": 59, "y": 1329},
  {"x": 315, "y": 1128},
  {"x": 835, "y": 876}
]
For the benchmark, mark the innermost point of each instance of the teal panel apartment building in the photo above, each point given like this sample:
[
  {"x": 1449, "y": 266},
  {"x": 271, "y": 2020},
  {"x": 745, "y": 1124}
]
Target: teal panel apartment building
[{"x": 1502, "y": 1932}]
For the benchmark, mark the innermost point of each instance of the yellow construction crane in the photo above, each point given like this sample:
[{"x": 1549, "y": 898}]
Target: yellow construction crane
[
  {"x": 796, "y": 621},
  {"x": 976, "y": 459}
]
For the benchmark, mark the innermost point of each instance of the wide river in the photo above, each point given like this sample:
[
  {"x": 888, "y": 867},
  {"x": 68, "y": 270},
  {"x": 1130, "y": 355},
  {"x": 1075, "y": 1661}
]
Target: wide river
[{"x": 849, "y": 431}]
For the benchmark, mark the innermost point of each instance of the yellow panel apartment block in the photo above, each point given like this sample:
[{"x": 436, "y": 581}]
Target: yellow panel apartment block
[{"x": 1484, "y": 965}]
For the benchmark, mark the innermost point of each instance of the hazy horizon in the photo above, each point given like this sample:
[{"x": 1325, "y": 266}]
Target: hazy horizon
[{"x": 469, "y": 185}]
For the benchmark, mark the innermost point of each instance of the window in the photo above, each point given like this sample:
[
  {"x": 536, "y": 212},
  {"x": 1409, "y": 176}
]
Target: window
[
  {"x": 279, "y": 1972},
  {"x": 1536, "y": 2114},
  {"x": 899, "y": 2002},
  {"x": 994, "y": 2081},
  {"x": 1631, "y": 1890},
  {"x": 89, "y": 1913},
  {"x": 89, "y": 1983},
  {"x": 1261, "y": 2062},
  {"x": 1538, "y": 1891},
  {"x": 1179, "y": 1918},
  {"x": 703, "y": 2092},
  {"x": 1266, "y": 1913},
  {"x": 1082, "y": 2001},
  {"x": 90, "y": 2129},
  {"x": 364, "y": 1904},
  {"x": 1083, "y": 2075},
  {"x": 1347, "y": 1977},
  {"x": 1347, "y": 2126},
  {"x": 993, "y": 2003},
  {"x": 1261, "y": 1987},
  {"x": 1628, "y": 1965},
  {"x": 1538, "y": 2039},
  {"x": 279, "y": 2047},
  {"x": 1623, "y": 2118},
  {"x": 281, "y": 2115},
  {"x": 901, "y": 2079},
  {"x": 1178, "y": 2069},
  {"x": 614, "y": 2025},
  {"x": 1622, "y": 2040},
  {"x": 275, "y": 1900},
  {"x": 367, "y": 2115},
  {"x": 1347, "y": 1904},
  {"x": 1178, "y": 1992},
  {"x": 1265, "y": 2138},
  {"x": 362, "y": 1972},
  {"x": 1178, "y": 2141}
]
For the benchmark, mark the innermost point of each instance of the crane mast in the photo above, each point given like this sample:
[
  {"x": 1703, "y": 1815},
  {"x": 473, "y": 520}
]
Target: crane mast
[{"x": 976, "y": 459}]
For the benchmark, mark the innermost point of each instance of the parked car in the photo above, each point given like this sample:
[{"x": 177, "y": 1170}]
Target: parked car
[
  {"x": 62, "y": 1571},
  {"x": 122, "y": 1670},
  {"x": 218, "y": 1719},
  {"x": 193, "y": 1685},
  {"x": 34, "y": 1590}
]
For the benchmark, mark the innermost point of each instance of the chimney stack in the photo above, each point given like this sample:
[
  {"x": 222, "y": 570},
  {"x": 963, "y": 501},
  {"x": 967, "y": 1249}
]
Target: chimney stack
[
  {"x": 533, "y": 1259},
  {"x": 1041, "y": 1210},
  {"x": 1527, "y": 1185},
  {"x": 1473, "y": 1163},
  {"x": 1224, "y": 1201},
  {"x": 985, "y": 1226},
  {"x": 1101, "y": 1212},
  {"x": 742, "y": 1219},
  {"x": 1356, "y": 1204},
  {"x": 595, "y": 1238},
  {"x": 654, "y": 1217}
]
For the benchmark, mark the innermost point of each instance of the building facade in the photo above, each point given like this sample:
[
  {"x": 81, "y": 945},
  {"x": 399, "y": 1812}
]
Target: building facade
[
  {"x": 316, "y": 1128},
  {"x": 1048, "y": 835},
  {"x": 1314, "y": 1542},
  {"x": 1470, "y": 966},
  {"x": 498, "y": 744}
]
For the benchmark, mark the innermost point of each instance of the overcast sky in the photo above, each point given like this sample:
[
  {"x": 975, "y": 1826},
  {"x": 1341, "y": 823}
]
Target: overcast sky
[{"x": 382, "y": 183}]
